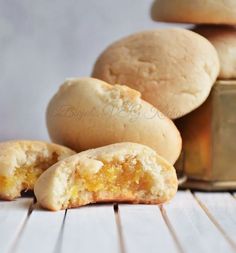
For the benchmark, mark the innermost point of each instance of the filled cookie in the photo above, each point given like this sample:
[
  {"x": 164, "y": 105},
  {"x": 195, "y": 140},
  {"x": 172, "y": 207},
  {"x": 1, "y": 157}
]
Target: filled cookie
[
  {"x": 88, "y": 113},
  {"x": 174, "y": 69},
  {"x": 223, "y": 39},
  {"x": 195, "y": 11},
  {"x": 23, "y": 161},
  {"x": 122, "y": 172}
]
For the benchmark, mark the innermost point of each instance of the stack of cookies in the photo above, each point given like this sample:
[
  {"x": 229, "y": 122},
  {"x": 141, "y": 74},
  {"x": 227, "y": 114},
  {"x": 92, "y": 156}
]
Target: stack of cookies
[
  {"x": 215, "y": 20},
  {"x": 173, "y": 69},
  {"x": 121, "y": 121},
  {"x": 208, "y": 132},
  {"x": 178, "y": 71}
]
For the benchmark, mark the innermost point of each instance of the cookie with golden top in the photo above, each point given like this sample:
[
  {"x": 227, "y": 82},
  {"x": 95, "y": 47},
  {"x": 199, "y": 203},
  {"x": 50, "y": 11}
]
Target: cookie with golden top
[
  {"x": 23, "y": 161},
  {"x": 88, "y": 113},
  {"x": 174, "y": 69},
  {"x": 223, "y": 39},
  {"x": 122, "y": 172},
  {"x": 195, "y": 11}
]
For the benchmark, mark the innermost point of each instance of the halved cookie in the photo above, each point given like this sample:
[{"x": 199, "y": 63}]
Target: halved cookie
[
  {"x": 122, "y": 172},
  {"x": 22, "y": 162}
]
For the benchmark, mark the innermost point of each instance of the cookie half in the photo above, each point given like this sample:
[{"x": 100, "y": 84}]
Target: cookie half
[
  {"x": 23, "y": 161},
  {"x": 122, "y": 172}
]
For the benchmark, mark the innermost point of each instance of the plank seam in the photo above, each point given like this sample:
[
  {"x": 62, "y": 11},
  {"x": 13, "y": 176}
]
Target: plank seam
[
  {"x": 171, "y": 229},
  {"x": 233, "y": 194},
  {"x": 59, "y": 241},
  {"x": 214, "y": 221},
  {"x": 21, "y": 230},
  {"x": 119, "y": 228}
]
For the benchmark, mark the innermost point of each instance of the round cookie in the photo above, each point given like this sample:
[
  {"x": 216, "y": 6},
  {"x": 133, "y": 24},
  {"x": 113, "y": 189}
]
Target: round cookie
[
  {"x": 121, "y": 172},
  {"x": 23, "y": 161},
  {"x": 196, "y": 12},
  {"x": 88, "y": 113},
  {"x": 224, "y": 40},
  {"x": 174, "y": 69}
]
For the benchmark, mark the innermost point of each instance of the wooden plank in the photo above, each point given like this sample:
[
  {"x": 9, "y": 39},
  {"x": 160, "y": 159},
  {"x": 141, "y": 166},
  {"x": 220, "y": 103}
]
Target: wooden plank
[
  {"x": 193, "y": 228},
  {"x": 144, "y": 230},
  {"x": 13, "y": 215},
  {"x": 90, "y": 229},
  {"x": 41, "y": 232},
  {"x": 222, "y": 208}
]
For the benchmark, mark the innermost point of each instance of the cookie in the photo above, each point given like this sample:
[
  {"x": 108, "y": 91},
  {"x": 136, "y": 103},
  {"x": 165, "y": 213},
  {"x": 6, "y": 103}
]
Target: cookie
[
  {"x": 23, "y": 161},
  {"x": 195, "y": 12},
  {"x": 174, "y": 69},
  {"x": 122, "y": 172},
  {"x": 223, "y": 39},
  {"x": 88, "y": 113}
]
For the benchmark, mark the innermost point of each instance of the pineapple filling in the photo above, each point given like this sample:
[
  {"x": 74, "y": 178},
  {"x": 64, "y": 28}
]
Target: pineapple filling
[
  {"x": 25, "y": 177},
  {"x": 116, "y": 178}
]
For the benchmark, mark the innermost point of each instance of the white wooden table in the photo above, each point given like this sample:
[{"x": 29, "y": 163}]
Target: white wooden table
[{"x": 192, "y": 222}]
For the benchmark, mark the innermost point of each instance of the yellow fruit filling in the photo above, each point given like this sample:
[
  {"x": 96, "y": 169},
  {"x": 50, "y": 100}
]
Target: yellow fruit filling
[
  {"x": 6, "y": 182},
  {"x": 116, "y": 178},
  {"x": 24, "y": 177}
]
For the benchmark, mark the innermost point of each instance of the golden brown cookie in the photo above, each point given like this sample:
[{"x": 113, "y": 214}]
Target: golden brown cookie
[
  {"x": 88, "y": 113},
  {"x": 22, "y": 162},
  {"x": 174, "y": 69},
  {"x": 195, "y": 11},
  {"x": 223, "y": 39},
  {"x": 122, "y": 172}
]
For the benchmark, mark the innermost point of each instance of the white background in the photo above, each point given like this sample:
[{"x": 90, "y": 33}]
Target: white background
[{"x": 42, "y": 42}]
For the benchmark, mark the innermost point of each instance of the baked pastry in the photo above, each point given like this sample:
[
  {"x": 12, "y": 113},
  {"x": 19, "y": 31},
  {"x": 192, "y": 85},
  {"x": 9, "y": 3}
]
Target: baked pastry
[
  {"x": 122, "y": 172},
  {"x": 223, "y": 39},
  {"x": 196, "y": 12},
  {"x": 88, "y": 113},
  {"x": 22, "y": 162},
  {"x": 174, "y": 69}
]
